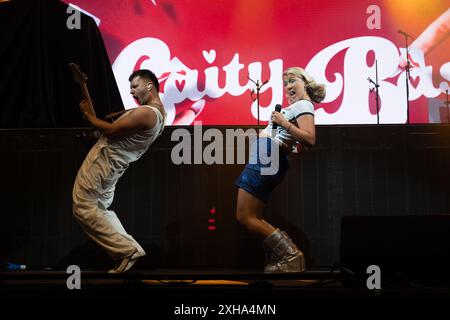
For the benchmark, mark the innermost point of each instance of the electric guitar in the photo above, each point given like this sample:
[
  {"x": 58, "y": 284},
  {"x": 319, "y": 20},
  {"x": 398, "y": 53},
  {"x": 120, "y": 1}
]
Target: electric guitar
[
  {"x": 81, "y": 78},
  {"x": 87, "y": 136}
]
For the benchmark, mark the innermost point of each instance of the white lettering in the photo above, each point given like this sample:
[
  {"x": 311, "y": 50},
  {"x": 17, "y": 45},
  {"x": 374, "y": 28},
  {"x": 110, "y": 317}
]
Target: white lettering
[{"x": 181, "y": 81}]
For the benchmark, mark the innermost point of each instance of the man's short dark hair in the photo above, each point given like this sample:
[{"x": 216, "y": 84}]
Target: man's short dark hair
[{"x": 145, "y": 74}]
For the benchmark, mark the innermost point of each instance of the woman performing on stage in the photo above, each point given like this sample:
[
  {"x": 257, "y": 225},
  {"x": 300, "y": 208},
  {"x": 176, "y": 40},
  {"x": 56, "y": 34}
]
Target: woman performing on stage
[{"x": 290, "y": 131}]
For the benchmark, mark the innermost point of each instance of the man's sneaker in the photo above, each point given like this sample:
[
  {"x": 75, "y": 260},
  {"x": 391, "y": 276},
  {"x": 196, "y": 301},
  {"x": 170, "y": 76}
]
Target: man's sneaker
[{"x": 127, "y": 262}]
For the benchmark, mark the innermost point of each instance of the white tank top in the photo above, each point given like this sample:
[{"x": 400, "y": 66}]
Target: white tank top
[{"x": 123, "y": 150}]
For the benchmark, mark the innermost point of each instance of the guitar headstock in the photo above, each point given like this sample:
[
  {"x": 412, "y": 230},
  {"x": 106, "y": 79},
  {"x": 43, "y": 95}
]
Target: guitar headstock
[{"x": 78, "y": 75}]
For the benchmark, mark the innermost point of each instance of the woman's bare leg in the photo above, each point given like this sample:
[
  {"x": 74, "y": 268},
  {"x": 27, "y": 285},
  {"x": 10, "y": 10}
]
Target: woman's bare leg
[{"x": 248, "y": 213}]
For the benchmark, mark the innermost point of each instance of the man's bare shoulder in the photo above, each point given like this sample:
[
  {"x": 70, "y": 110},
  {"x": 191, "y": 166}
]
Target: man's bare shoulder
[
  {"x": 147, "y": 114},
  {"x": 151, "y": 109},
  {"x": 143, "y": 111}
]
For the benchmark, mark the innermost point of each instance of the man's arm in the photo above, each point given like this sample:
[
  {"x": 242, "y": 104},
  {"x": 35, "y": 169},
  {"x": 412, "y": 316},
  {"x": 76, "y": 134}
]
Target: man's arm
[{"x": 138, "y": 120}]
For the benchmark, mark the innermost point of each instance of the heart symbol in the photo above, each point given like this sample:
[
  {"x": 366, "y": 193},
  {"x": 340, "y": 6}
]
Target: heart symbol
[
  {"x": 209, "y": 56},
  {"x": 179, "y": 84},
  {"x": 414, "y": 81}
]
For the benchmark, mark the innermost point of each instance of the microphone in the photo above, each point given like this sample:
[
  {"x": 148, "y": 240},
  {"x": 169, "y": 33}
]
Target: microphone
[
  {"x": 277, "y": 109},
  {"x": 404, "y": 33}
]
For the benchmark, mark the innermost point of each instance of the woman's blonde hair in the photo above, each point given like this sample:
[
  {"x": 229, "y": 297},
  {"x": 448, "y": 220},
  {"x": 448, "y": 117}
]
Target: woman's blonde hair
[{"x": 316, "y": 91}]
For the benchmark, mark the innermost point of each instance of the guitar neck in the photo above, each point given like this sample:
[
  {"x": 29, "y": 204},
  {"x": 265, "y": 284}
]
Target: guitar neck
[{"x": 87, "y": 97}]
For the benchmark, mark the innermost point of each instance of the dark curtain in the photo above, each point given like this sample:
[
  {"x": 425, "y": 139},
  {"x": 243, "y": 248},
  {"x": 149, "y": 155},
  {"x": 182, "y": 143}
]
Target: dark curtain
[{"x": 37, "y": 88}]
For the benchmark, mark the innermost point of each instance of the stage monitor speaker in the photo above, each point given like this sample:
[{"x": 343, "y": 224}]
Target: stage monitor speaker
[{"x": 417, "y": 247}]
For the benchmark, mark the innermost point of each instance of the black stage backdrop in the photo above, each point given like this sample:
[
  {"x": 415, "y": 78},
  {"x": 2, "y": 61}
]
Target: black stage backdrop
[
  {"x": 36, "y": 84},
  {"x": 368, "y": 171}
]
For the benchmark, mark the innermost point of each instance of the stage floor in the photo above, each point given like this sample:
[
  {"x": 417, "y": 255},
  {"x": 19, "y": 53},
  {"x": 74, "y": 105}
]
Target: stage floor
[{"x": 167, "y": 288}]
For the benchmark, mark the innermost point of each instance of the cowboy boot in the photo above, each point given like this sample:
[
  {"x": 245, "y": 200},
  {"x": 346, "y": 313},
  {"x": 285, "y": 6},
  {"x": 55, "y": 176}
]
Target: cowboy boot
[
  {"x": 288, "y": 258},
  {"x": 303, "y": 262},
  {"x": 271, "y": 258}
]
